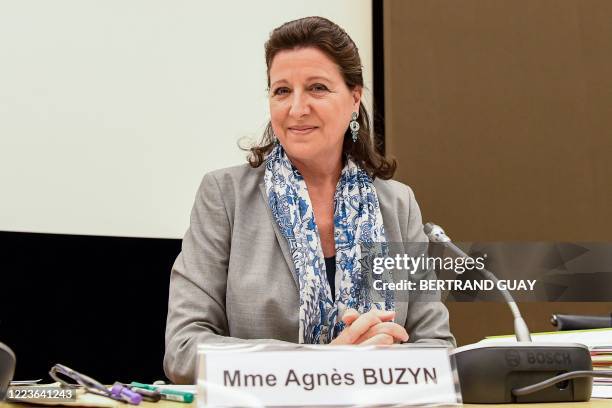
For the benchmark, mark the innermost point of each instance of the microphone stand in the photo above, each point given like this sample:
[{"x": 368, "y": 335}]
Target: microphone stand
[{"x": 521, "y": 371}]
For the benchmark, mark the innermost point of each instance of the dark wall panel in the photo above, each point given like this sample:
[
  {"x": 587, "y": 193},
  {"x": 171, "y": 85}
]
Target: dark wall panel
[
  {"x": 500, "y": 115},
  {"x": 96, "y": 304}
]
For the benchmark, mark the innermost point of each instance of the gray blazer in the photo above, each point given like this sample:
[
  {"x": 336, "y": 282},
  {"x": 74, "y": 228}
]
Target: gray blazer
[{"x": 235, "y": 281}]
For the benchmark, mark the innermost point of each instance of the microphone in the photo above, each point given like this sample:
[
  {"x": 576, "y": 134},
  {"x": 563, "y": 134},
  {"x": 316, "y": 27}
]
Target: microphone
[
  {"x": 436, "y": 234},
  {"x": 7, "y": 368},
  {"x": 580, "y": 322},
  {"x": 522, "y": 371}
]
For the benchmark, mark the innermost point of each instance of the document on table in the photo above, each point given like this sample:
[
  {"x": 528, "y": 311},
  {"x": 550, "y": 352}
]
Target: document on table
[
  {"x": 590, "y": 338},
  {"x": 602, "y": 391}
]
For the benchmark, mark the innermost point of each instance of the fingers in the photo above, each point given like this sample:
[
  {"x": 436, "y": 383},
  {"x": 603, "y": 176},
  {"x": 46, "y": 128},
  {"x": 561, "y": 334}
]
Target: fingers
[
  {"x": 397, "y": 332},
  {"x": 385, "y": 315},
  {"x": 350, "y": 316},
  {"x": 379, "y": 339},
  {"x": 362, "y": 324}
]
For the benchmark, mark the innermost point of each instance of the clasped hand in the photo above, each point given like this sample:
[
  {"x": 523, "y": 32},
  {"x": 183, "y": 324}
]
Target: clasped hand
[{"x": 373, "y": 327}]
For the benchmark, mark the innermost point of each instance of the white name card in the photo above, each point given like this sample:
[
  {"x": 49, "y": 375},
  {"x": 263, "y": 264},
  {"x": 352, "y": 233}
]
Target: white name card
[{"x": 271, "y": 375}]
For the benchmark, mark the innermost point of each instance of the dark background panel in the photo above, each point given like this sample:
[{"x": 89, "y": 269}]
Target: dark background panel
[
  {"x": 500, "y": 115},
  {"x": 96, "y": 304},
  {"x": 378, "y": 74}
]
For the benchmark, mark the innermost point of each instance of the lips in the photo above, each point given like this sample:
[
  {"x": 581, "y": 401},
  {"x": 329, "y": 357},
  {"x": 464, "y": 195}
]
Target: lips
[{"x": 302, "y": 129}]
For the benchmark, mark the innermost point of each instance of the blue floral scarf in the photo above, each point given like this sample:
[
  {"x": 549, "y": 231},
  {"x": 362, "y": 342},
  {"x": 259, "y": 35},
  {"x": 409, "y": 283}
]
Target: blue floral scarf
[{"x": 357, "y": 222}]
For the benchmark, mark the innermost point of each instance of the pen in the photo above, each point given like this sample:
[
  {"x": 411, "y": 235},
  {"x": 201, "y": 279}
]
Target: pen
[
  {"x": 171, "y": 395},
  {"x": 121, "y": 392},
  {"x": 147, "y": 395}
]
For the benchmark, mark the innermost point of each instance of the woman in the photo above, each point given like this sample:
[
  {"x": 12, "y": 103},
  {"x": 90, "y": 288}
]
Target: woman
[{"x": 272, "y": 250}]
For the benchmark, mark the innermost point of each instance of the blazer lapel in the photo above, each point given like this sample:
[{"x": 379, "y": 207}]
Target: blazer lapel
[{"x": 280, "y": 238}]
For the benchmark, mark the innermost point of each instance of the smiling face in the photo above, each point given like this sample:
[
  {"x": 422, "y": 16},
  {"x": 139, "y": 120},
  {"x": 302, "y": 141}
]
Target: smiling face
[{"x": 310, "y": 104}]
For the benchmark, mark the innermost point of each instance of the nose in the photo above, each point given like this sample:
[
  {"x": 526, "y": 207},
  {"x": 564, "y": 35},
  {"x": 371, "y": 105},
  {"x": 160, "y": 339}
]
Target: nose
[{"x": 300, "y": 105}]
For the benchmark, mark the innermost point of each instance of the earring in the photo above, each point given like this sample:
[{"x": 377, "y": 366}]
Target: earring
[{"x": 354, "y": 126}]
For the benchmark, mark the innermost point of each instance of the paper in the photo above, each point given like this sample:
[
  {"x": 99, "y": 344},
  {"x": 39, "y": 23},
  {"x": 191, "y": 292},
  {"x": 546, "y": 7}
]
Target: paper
[
  {"x": 406, "y": 375},
  {"x": 590, "y": 338},
  {"x": 602, "y": 391}
]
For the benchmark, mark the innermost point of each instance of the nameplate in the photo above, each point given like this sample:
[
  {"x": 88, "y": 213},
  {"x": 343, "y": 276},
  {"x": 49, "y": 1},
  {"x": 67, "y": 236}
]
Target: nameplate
[{"x": 271, "y": 375}]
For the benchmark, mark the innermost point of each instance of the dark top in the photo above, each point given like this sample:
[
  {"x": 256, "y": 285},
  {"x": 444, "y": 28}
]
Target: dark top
[{"x": 330, "y": 268}]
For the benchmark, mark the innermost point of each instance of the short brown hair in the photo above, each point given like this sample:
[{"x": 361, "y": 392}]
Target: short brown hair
[{"x": 321, "y": 33}]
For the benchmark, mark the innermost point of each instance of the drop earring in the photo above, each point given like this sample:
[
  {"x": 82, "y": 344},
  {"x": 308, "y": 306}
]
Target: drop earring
[{"x": 354, "y": 126}]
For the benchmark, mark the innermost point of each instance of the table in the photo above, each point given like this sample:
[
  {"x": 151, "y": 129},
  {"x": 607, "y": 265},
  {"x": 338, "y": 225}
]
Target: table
[{"x": 594, "y": 403}]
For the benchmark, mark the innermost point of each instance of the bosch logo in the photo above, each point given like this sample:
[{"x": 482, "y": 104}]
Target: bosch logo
[
  {"x": 513, "y": 358},
  {"x": 548, "y": 357}
]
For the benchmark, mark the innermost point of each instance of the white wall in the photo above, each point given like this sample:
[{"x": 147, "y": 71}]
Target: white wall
[{"x": 111, "y": 111}]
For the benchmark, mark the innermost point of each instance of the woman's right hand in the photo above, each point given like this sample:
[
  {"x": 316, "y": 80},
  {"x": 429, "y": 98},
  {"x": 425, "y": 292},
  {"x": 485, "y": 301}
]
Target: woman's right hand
[{"x": 373, "y": 327}]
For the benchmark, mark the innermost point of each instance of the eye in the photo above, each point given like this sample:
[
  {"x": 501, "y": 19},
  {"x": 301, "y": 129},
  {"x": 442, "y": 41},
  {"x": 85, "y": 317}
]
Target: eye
[
  {"x": 319, "y": 88},
  {"x": 281, "y": 90}
]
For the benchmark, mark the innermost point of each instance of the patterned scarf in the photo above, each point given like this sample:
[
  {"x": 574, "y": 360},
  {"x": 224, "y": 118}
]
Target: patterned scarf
[{"x": 357, "y": 222}]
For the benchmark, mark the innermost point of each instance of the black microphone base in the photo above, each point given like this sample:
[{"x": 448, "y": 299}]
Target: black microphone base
[
  {"x": 7, "y": 368},
  {"x": 489, "y": 372}
]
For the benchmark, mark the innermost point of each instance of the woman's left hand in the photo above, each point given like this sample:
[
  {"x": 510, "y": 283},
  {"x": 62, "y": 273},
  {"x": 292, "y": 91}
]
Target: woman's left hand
[{"x": 373, "y": 327}]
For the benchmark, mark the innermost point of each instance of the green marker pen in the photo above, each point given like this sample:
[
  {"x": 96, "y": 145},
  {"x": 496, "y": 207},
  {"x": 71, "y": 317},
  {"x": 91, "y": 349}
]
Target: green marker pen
[
  {"x": 170, "y": 395},
  {"x": 141, "y": 385}
]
